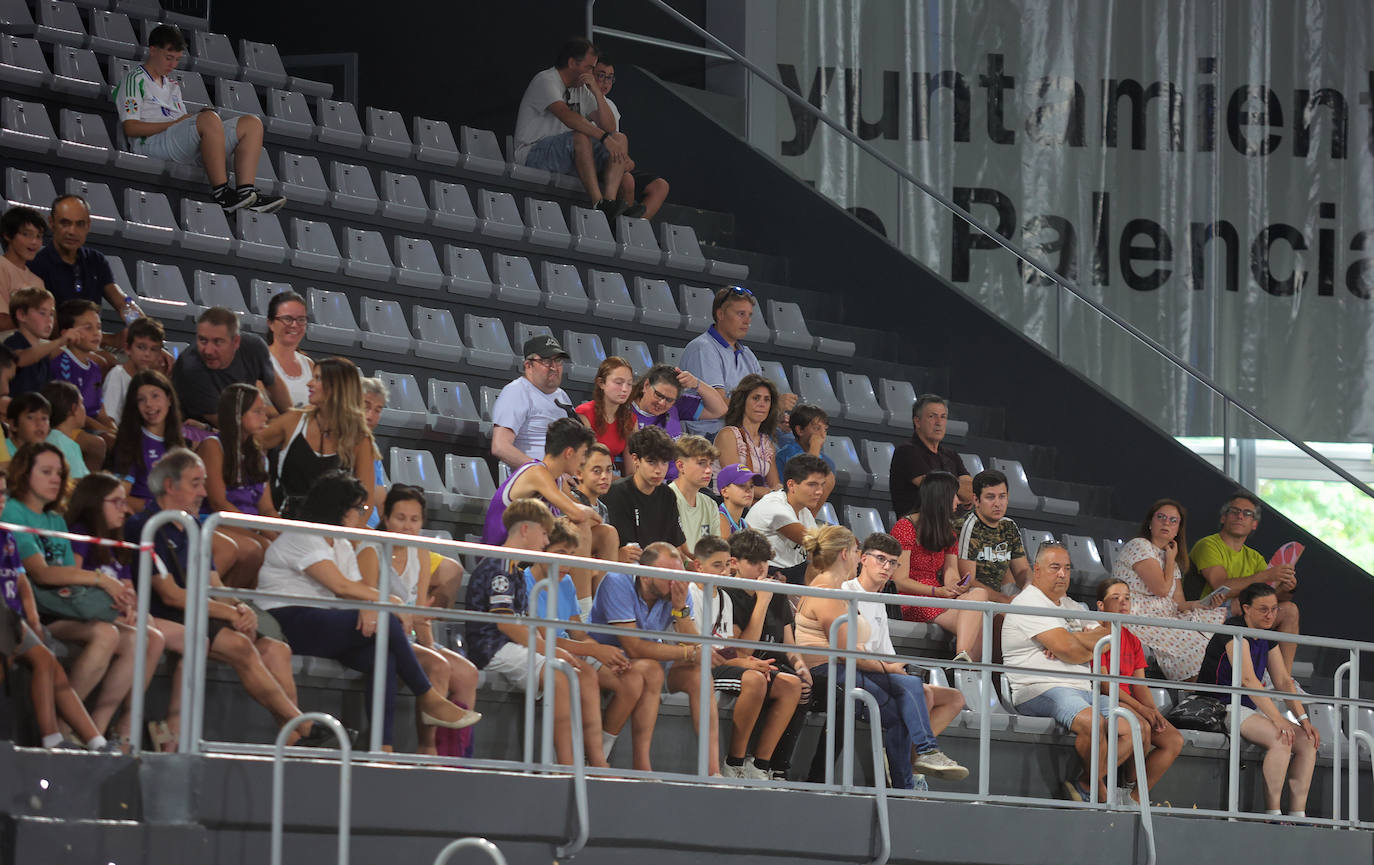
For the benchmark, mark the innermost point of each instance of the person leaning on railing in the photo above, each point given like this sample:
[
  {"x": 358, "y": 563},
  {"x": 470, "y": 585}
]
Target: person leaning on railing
[
  {"x": 318, "y": 570},
  {"x": 1290, "y": 749}
]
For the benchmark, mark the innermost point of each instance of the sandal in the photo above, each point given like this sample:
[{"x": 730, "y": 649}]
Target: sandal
[{"x": 164, "y": 740}]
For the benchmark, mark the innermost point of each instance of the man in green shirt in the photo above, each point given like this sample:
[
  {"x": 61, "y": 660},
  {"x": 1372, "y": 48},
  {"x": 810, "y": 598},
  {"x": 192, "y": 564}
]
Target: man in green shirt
[{"x": 1223, "y": 559}]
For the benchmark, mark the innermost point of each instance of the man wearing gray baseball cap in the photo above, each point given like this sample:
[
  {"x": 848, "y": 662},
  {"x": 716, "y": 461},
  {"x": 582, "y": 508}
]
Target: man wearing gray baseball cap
[{"x": 527, "y": 406}]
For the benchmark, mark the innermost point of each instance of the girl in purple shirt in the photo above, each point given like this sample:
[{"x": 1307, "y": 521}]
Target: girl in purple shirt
[
  {"x": 148, "y": 427},
  {"x": 236, "y": 476}
]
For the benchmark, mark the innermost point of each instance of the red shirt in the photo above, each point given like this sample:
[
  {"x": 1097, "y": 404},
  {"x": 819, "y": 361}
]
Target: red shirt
[
  {"x": 1132, "y": 658},
  {"x": 927, "y": 566},
  {"x": 610, "y": 436}
]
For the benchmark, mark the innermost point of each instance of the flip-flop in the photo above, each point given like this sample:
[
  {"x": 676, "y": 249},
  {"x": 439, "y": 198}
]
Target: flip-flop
[{"x": 1077, "y": 792}]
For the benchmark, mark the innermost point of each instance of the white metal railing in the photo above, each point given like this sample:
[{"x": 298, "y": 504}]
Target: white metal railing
[
  {"x": 345, "y": 781},
  {"x": 198, "y": 597},
  {"x": 491, "y": 850}
]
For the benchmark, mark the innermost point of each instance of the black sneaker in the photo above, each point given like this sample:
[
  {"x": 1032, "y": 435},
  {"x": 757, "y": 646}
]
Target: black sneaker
[
  {"x": 612, "y": 207},
  {"x": 267, "y": 203},
  {"x": 320, "y": 737},
  {"x": 232, "y": 200},
  {"x": 635, "y": 211}
]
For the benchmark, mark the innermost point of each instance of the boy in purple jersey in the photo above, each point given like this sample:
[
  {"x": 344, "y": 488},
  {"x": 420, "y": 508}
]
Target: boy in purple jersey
[
  {"x": 20, "y": 639},
  {"x": 78, "y": 324}
]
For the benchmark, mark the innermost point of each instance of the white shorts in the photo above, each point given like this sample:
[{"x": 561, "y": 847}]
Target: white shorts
[
  {"x": 511, "y": 663},
  {"x": 1246, "y": 713},
  {"x": 180, "y": 142}
]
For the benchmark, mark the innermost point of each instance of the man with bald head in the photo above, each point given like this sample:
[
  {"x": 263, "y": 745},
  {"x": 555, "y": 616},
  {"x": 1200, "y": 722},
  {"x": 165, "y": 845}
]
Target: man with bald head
[{"x": 1046, "y": 648}]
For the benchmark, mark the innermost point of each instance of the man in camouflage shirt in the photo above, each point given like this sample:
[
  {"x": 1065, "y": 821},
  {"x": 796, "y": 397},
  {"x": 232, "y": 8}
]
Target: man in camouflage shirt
[{"x": 990, "y": 545}]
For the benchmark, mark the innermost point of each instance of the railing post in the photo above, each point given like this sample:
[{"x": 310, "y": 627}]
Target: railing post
[
  {"x": 545, "y": 587},
  {"x": 875, "y": 743},
  {"x": 985, "y": 709},
  {"x": 1233, "y": 768},
  {"x": 1138, "y": 748},
  {"x": 832, "y": 674},
  {"x": 851, "y": 682},
  {"x": 1096, "y": 719},
  {"x": 491, "y": 850},
  {"x": 1337, "y": 688},
  {"x": 1113, "y": 704},
  {"x": 145, "y": 588},
  {"x": 345, "y": 781},
  {"x": 590, "y": 4},
  {"x": 380, "y": 652},
  {"x": 1354, "y": 789},
  {"x": 196, "y": 647},
  {"x": 704, "y": 681},
  {"x": 579, "y": 766}
]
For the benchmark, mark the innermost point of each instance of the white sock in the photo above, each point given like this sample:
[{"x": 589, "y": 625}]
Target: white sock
[
  {"x": 1297, "y": 813},
  {"x": 1274, "y": 812},
  {"x": 96, "y": 744},
  {"x": 584, "y": 606},
  {"x": 52, "y": 740},
  {"x": 608, "y": 742}
]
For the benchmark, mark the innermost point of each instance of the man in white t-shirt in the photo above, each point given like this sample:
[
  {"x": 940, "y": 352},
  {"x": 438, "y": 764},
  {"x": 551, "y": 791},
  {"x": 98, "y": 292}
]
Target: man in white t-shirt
[
  {"x": 152, "y": 117},
  {"x": 1046, "y": 648},
  {"x": 527, "y": 406},
  {"x": 785, "y": 516},
  {"x": 565, "y": 126},
  {"x": 655, "y": 188}
]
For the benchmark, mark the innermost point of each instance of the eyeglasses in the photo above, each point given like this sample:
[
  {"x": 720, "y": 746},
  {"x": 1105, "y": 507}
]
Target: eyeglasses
[
  {"x": 1233, "y": 511},
  {"x": 884, "y": 561},
  {"x": 662, "y": 397},
  {"x": 606, "y": 76},
  {"x": 548, "y": 363},
  {"x": 1050, "y": 544},
  {"x": 1266, "y": 610},
  {"x": 298, "y": 320},
  {"x": 361, "y": 507},
  {"x": 116, "y": 500},
  {"x": 1167, "y": 520}
]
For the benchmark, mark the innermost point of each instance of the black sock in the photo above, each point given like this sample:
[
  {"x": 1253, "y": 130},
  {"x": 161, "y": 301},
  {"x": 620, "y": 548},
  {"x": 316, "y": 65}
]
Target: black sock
[
  {"x": 734, "y": 761},
  {"x": 219, "y": 190},
  {"x": 765, "y": 765}
]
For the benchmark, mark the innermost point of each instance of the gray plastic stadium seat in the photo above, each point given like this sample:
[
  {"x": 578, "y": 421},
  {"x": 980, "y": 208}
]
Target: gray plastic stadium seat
[
  {"x": 670, "y": 354},
  {"x": 1031, "y": 539},
  {"x": 526, "y": 173},
  {"x": 452, "y": 206},
  {"x": 59, "y": 22},
  {"x": 610, "y": 297},
  {"x": 498, "y": 214},
  {"x": 162, "y": 292},
  {"x": 26, "y": 126},
  {"x": 897, "y": 398},
  {"x": 386, "y": 132},
  {"x": 970, "y": 684},
  {"x": 261, "y": 64},
  {"x": 585, "y": 354},
  {"x": 1088, "y": 569},
  {"x": 635, "y": 351},
  {"x": 863, "y": 521},
  {"x": 681, "y": 251},
  {"x": 236, "y": 97},
  {"x": 416, "y": 263},
  {"x": 417, "y": 467},
  {"x": 261, "y": 292},
  {"x": 514, "y": 280},
  {"x": 789, "y": 326},
  {"x": 563, "y": 289},
  {"x": 29, "y": 188},
  {"x": 814, "y": 388},
  {"x": 222, "y": 289},
  {"x": 434, "y": 142},
  {"x": 261, "y": 236},
  {"x": 111, "y": 33},
  {"x": 470, "y": 480},
  {"x": 727, "y": 270},
  {"x": 482, "y": 150},
  {"x": 384, "y": 326},
  {"x": 148, "y": 217},
  {"x": 331, "y": 319},
  {"x": 437, "y": 335},
  {"x": 654, "y": 303},
  {"x": 486, "y": 400},
  {"x": 696, "y": 307},
  {"x": 524, "y": 331},
  {"x": 105, "y": 218},
  {"x": 1109, "y": 548},
  {"x": 193, "y": 93},
  {"x": 213, "y": 54},
  {"x": 488, "y": 345},
  {"x": 636, "y": 240},
  {"x": 546, "y": 226},
  {"x": 828, "y": 515},
  {"x": 860, "y": 403},
  {"x": 266, "y": 180},
  {"x": 365, "y": 255},
  {"x": 288, "y": 114},
  {"x": 759, "y": 331},
  {"x": 205, "y": 227},
  {"x": 337, "y": 123},
  {"x": 591, "y": 232},
  {"x": 146, "y": 10},
  {"x": 878, "y": 458},
  {"x": 1021, "y": 496},
  {"x": 402, "y": 198},
  {"x": 15, "y": 17},
  {"x": 972, "y": 462},
  {"x": 22, "y": 62},
  {"x": 302, "y": 179},
  {"x": 452, "y": 409},
  {"x": 120, "y": 273},
  {"x": 774, "y": 372},
  {"x": 848, "y": 470},
  {"x": 84, "y": 138},
  {"x": 76, "y": 71},
  {"x": 353, "y": 189},
  {"x": 467, "y": 272},
  {"x": 313, "y": 246}
]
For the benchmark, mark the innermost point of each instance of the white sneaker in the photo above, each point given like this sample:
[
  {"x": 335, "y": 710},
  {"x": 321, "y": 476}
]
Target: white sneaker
[
  {"x": 963, "y": 656},
  {"x": 939, "y": 764},
  {"x": 728, "y": 771},
  {"x": 754, "y": 772}
]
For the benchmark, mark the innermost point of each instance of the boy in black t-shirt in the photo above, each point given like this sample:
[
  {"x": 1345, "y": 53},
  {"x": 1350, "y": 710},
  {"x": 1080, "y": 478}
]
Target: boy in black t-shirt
[{"x": 641, "y": 508}]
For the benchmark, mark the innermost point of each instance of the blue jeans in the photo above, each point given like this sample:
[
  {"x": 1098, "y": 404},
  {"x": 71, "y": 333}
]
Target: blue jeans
[
  {"x": 904, "y": 717},
  {"x": 1063, "y": 705},
  {"x": 555, "y": 153}
]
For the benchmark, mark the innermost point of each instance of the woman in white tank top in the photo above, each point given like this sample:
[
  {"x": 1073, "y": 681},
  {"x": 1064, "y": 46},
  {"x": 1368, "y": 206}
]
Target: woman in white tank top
[{"x": 286, "y": 322}]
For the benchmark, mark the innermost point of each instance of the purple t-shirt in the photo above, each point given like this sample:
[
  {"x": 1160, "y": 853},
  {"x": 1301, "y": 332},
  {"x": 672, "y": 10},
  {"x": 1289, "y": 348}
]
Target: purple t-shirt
[
  {"x": 115, "y": 568},
  {"x": 87, "y": 377},
  {"x": 493, "y": 530},
  {"x": 11, "y": 566},
  {"x": 150, "y": 449}
]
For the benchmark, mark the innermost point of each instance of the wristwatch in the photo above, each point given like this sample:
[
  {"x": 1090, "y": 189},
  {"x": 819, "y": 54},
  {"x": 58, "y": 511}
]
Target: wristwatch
[{"x": 682, "y": 613}]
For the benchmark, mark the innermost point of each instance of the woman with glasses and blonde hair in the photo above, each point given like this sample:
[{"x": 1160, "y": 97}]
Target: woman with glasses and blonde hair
[
  {"x": 329, "y": 433},
  {"x": 929, "y": 566},
  {"x": 1152, "y": 564}
]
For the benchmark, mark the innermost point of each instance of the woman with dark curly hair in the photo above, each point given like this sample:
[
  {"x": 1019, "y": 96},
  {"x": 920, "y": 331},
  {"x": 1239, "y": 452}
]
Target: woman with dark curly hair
[{"x": 750, "y": 420}]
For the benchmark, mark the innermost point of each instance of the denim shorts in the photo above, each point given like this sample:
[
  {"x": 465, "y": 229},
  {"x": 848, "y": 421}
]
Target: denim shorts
[
  {"x": 1063, "y": 705},
  {"x": 181, "y": 141},
  {"x": 555, "y": 153}
]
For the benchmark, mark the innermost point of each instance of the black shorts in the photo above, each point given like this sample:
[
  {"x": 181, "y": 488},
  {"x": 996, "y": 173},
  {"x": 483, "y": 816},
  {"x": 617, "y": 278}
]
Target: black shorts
[{"x": 643, "y": 179}]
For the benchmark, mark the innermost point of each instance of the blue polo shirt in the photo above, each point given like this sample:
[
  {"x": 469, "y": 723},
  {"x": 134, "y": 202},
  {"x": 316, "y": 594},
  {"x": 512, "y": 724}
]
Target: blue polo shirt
[
  {"x": 618, "y": 603},
  {"x": 711, "y": 358},
  {"x": 85, "y": 279}
]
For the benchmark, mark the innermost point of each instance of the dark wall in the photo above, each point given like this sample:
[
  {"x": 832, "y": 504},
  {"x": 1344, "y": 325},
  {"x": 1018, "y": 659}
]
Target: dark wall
[{"x": 1097, "y": 440}]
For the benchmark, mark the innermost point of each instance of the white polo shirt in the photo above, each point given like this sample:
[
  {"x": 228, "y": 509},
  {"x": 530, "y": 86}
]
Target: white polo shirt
[
  {"x": 1021, "y": 649},
  {"x": 528, "y": 410}
]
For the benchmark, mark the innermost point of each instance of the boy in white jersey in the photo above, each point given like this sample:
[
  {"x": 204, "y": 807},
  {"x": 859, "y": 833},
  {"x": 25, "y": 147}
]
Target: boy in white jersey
[{"x": 153, "y": 119}]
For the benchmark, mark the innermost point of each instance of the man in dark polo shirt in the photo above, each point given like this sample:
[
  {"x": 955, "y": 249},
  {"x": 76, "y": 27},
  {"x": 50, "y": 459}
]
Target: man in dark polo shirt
[
  {"x": 222, "y": 356},
  {"x": 912, "y": 462},
  {"x": 71, "y": 270}
]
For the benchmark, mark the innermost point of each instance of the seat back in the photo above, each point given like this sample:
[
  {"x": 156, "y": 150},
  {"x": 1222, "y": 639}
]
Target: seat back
[
  {"x": 774, "y": 372},
  {"x": 436, "y": 326},
  {"x": 261, "y": 292},
  {"x": 383, "y": 317},
  {"x": 863, "y": 521},
  {"x": 219, "y": 289},
  {"x": 403, "y": 394},
  {"x": 842, "y": 452},
  {"x": 814, "y": 388},
  {"x": 635, "y": 352},
  {"x": 452, "y": 399},
  {"x": 655, "y": 302},
  {"x": 338, "y": 123},
  {"x": 469, "y": 476},
  {"x": 610, "y": 297},
  {"x": 696, "y": 306},
  {"x": 585, "y": 353},
  {"x": 434, "y": 141},
  {"x": 897, "y": 398},
  {"x": 878, "y": 458},
  {"x": 415, "y": 467},
  {"x": 261, "y": 63},
  {"x": 105, "y": 218},
  {"x": 237, "y": 97},
  {"x": 1018, "y": 485},
  {"x": 860, "y": 403},
  {"x": 972, "y": 462}
]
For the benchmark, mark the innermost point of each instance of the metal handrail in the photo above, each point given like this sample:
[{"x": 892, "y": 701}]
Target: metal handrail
[
  {"x": 491, "y": 850},
  {"x": 579, "y": 766},
  {"x": 1141, "y": 781},
  {"x": 345, "y": 781},
  {"x": 944, "y": 201},
  {"x": 1337, "y": 682},
  {"x": 1368, "y": 741},
  {"x": 879, "y": 775}
]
